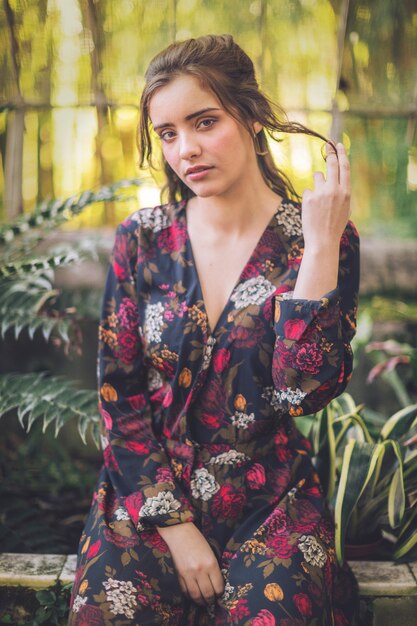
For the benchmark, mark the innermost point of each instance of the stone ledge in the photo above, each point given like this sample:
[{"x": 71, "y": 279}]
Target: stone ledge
[
  {"x": 40, "y": 571},
  {"x": 385, "y": 578},
  {"x": 388, "y": 590}
]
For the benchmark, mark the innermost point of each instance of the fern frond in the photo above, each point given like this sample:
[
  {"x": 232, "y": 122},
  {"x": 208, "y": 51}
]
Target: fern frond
[
  {"x": 52, "y": 213},
  {"x": 52, "y": 399},
  {"x": 43, "y": 263}
]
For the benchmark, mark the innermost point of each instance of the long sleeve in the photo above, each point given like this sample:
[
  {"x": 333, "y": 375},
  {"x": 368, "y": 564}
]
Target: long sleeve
[
  {"x": 136, "y": 462},
  {"x": 312, "y": 361}
]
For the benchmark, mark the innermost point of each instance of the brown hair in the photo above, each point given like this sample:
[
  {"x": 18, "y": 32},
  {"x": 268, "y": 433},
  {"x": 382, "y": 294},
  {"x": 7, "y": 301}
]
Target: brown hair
[{"x": 224, "y": 68}]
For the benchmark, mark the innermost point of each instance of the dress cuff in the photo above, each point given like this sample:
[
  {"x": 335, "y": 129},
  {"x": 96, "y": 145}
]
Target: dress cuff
[
  {"x": 293, "y": 316},
  {"x": 160, "y": 504}
]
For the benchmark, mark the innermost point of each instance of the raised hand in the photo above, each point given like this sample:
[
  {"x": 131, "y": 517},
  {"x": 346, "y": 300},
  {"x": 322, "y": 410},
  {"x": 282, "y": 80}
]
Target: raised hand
[
  {"x": 326, "y": 208},
  {"x": 324, "y": 214}
]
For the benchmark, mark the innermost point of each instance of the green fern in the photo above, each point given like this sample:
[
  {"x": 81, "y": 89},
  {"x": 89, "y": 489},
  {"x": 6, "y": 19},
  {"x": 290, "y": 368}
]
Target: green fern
[
  {"x": 53, "y": 213},
  {"x": 54, "y": 400}
]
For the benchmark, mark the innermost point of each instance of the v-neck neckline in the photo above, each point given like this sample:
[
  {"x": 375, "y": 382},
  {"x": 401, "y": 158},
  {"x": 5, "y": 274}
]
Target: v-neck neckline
[{"x": 212, "y": 331}]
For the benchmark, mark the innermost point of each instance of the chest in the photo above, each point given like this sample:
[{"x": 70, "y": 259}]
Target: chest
[{"x": 219, "y": 267}]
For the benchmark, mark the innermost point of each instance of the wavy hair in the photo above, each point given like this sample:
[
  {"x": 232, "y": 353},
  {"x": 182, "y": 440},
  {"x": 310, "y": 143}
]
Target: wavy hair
[{"x": 223, "y": 67}]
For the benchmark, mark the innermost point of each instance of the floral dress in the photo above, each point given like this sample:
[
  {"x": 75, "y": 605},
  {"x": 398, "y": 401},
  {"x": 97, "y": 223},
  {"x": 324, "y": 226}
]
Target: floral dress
[{"x": 198, "y": 426}]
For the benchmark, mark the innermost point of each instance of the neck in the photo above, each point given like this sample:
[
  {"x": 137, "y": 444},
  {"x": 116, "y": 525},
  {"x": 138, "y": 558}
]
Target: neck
[{"x": 238, "y": 209}]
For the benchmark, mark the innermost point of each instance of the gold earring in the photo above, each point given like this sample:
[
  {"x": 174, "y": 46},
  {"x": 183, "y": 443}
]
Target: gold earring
[{"x": 258, "y": 150}]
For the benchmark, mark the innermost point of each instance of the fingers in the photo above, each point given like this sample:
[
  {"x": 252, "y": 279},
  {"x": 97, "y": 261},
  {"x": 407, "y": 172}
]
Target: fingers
[
  {"x": 203, "y": 590},
  {"x": 338, "y": 168},
  {"x": 217, "y": 581},
  {"x": 332, "y": 166},
  {"x": 318, "y": 179},
  {"x": 194, "y": 592},
  {"x": 344, "y": 167}
]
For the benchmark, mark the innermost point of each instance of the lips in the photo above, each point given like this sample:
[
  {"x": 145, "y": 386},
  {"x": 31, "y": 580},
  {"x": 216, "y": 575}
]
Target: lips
[{"x": 196, "y": 169}]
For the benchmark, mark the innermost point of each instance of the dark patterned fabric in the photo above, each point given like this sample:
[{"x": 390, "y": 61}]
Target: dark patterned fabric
[{"x": 198, "y": 425}]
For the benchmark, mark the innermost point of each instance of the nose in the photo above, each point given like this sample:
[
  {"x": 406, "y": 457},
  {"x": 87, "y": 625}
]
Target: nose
[{"x": 189, "y": 146}]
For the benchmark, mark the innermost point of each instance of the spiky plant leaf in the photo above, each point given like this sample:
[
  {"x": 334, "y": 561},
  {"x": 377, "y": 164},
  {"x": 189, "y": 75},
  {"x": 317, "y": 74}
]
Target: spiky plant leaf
[
  {"x": 53, "y": 399},
  {"x": 52, "y": 213}
]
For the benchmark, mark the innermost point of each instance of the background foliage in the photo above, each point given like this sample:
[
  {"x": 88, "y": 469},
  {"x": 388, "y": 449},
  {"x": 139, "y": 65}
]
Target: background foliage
[{"x": 71, "y": 72}]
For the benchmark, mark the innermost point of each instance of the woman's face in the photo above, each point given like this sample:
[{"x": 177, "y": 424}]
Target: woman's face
[{"x": 205, "y": 146}]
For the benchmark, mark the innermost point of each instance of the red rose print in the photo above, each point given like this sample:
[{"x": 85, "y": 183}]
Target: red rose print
[
  {"x": 173, "y": 238},
  {"x": 264, "y": 618},
  {"x": 294, "y": 329},
  {"x": 89, "y": 615},
  {"x": 133, "y": 504},
  {"x": 137, "y": 447},
  {"x": 255, "y": 476},
  {"x": 280, "y": 546},
  {"x": 228, "y": 502},
  {"x": 130, "y": 426},
  {"x": 307, "y": 516},
  {"x": 110, "y": 460},
  {"x": 309, "y": 358},
  {"x": 221, "y": 360},
  {"x": 164, "y": 475},
  {"x": 128, "y": 346},
  {"x": 94, "y": 549},
  {"x": 313, "y": 491},
  {"x": 106, "y": 417},
  {"x": 137, "y": 402},
  {"x": 239, "y": 610},
  {"x": 282, "y": 289},
  {"x": 153, "y": 538},
  {"x": 120, "y": 541},
  {"x": 278, "y": 522},
  {"x": 280, "y": 438},
  {"x": 128, "y": 314},
  {"x": 210, "y": 421},
  {"x": 167, "y": 400},
  {"x": 283, "y": 453},
  {"x": 213, "y": 398},
  {"x": 279, "y": 480},
  {"x": 286, "y": 357},
  {"x": 250, "y": 271},
  {"x": 243, "y": 337},
  {"x": 303, "y": 604}
]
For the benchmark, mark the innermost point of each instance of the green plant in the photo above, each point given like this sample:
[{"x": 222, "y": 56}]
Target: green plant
[
  {"x": 30, "y": 302},
  {"x": 368, "y": 472},
  {"x": 378, "y": 484},
  {"x": 52, "y": 609}
]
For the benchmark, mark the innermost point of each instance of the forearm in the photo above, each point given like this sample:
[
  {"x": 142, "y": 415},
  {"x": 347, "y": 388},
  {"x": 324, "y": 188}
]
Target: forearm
[{"x": 318, "y": 272}]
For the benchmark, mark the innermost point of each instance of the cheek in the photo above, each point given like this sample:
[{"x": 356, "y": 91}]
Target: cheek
[{"x": 170, "y": 156}]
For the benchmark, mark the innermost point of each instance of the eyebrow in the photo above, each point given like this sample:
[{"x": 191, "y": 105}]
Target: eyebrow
[{"x": 188, "y": 117}]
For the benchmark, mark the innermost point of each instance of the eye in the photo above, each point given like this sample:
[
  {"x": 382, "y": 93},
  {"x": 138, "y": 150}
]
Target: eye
[
  {"x": 207, "y": 122},
  {"x": 166, "y": 135}
]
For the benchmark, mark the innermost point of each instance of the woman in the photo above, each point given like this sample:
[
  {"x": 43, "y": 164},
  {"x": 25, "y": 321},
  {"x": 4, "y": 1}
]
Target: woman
[{"x": 226, "y": 312}]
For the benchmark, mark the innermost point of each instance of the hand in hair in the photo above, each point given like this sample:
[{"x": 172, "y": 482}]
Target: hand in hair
[
  {"x": 325, "y": 213},
  {"x": 197, "y": 568},
  {"x": 326, "y": 209}
]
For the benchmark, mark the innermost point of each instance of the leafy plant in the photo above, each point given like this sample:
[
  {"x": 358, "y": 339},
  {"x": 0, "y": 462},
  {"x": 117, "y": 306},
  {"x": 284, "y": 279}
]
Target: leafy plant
[
  {"x": 30, "y": 302},
  {"x": 368, "y": 471},
  {"x": 52, "y": 609}
]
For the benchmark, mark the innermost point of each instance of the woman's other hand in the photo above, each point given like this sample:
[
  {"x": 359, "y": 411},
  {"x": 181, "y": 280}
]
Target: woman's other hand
[
  {"x": 326, "y": 208},
  {"x": 197, "y": 568}
]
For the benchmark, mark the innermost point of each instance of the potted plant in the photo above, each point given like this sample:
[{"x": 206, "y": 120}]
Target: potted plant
[{"x": 368, "y": 472}]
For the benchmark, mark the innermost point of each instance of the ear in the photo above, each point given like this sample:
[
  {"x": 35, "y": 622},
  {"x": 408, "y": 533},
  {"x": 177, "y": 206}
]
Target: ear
[{"x": 257, "y": 127}]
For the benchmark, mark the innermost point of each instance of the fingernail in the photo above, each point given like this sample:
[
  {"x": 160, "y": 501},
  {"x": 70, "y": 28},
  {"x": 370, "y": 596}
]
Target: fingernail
[{"x": 340, "y": 146}]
